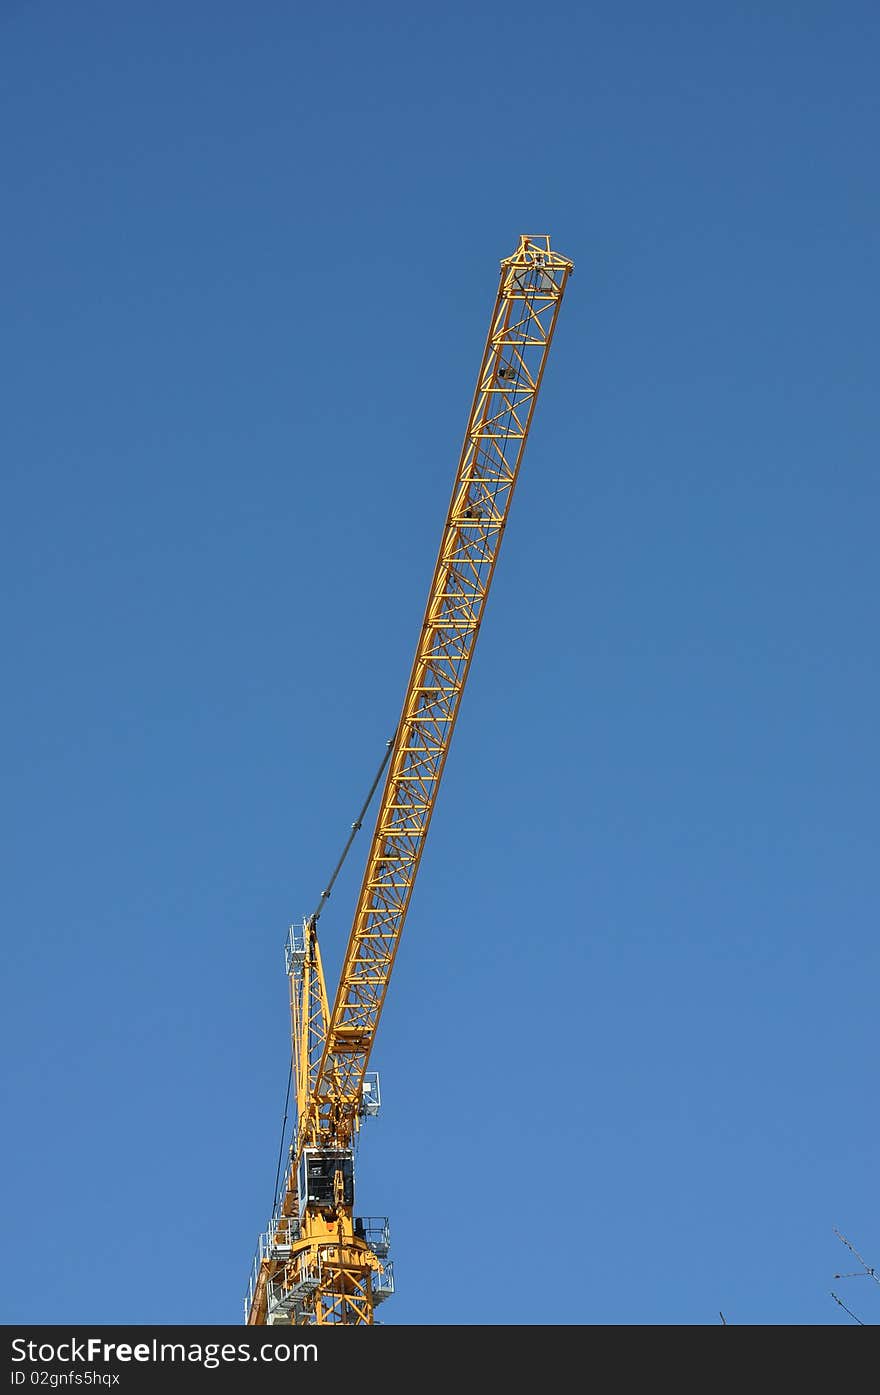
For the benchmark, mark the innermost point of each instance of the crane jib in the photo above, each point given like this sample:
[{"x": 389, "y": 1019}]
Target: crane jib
[{"x": 318, "y": 1262}]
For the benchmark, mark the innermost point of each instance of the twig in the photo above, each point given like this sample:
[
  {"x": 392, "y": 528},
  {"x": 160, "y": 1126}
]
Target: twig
[
  {"x": 866, "y": 1268},
  {"x": 848, "y": 1310}
]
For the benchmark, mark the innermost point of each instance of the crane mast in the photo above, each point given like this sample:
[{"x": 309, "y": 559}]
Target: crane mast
[{"x": 318, "y": 1262}]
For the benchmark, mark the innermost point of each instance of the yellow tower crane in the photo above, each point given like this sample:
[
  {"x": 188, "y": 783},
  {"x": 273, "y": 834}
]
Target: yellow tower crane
[{"x": 317, "y": 1261}]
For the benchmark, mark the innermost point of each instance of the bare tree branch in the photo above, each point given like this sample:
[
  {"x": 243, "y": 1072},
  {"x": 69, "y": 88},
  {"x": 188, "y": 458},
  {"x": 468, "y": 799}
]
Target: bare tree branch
[{"x": 865, "y": 1269}]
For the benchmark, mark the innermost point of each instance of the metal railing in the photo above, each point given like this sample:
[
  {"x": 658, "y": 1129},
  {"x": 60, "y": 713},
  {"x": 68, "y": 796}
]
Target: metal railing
[
  {"x": 375, "y": 1230},
  {"x": 383, "y": 1282},
  {"x": 274, "y": 1243},
  {"x": 295, "y": 948}
]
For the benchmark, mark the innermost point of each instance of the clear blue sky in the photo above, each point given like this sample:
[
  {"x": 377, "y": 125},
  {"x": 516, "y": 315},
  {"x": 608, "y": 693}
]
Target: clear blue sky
[{"x": 629, "y": 1052}]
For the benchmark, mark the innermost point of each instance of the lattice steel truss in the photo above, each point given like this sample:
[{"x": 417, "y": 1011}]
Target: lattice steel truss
[{"x": 332, "y": 1052}]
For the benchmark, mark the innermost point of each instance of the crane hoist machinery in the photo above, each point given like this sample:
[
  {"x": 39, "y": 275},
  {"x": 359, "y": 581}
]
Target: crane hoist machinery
[{"x": 318, "y": 1261}]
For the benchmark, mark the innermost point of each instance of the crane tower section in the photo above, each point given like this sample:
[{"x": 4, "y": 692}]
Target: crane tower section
[{"x": 318, "y": 1262}]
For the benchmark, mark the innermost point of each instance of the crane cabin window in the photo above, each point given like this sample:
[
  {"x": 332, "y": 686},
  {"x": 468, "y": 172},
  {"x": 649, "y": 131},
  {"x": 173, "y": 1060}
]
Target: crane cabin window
[{"x": 318, "y": 1170}]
